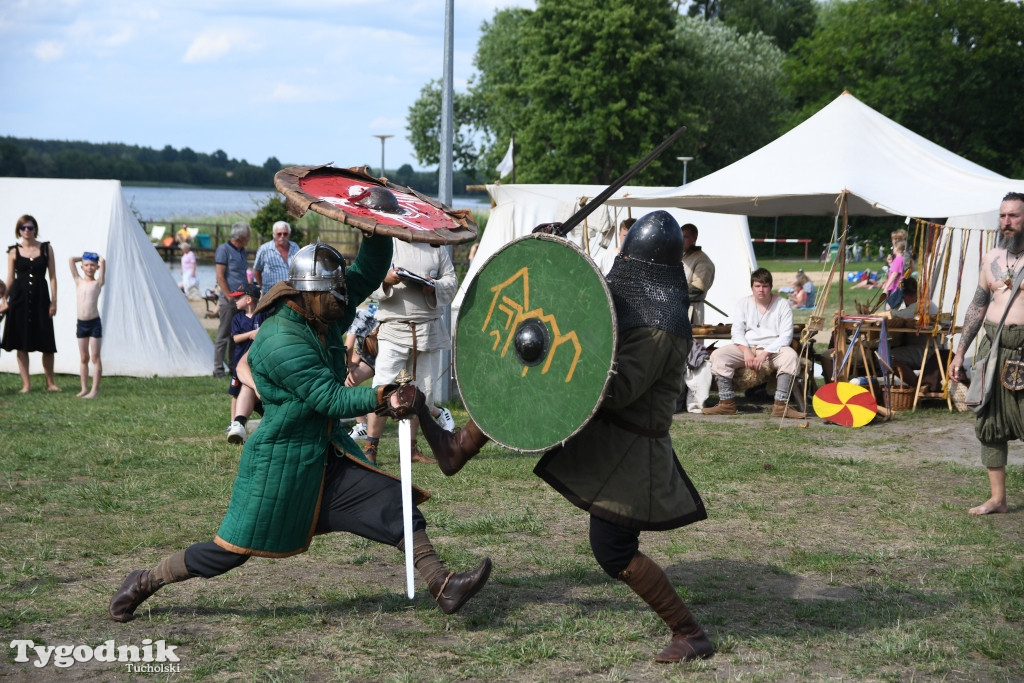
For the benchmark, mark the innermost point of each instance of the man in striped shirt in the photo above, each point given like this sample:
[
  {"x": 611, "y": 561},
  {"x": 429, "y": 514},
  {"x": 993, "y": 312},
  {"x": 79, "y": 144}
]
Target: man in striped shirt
[{"x": 272, "y": 258}]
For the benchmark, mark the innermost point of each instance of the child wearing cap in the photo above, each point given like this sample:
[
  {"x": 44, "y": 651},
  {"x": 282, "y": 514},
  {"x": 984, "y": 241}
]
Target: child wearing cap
[
  {"x": 89, "y": 329},
  {"x": 244, "y": 326}
]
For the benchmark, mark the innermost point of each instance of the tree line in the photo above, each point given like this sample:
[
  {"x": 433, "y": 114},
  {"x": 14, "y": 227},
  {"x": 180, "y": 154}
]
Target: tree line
[
  {"x": 30, "y": 158},
  {"x": 588, "y": 87}
]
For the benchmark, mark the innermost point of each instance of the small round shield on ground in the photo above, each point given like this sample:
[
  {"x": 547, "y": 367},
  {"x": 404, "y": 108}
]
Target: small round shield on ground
[
  {"x": 845, "y": 404},
  {"x": 534, "y": 343},
  {"x": 375, "y": 206}
]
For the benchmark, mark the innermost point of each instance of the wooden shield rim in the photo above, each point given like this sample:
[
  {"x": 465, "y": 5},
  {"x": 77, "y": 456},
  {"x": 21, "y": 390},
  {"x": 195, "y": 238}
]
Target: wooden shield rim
[
  {"x": 298, "y": 202},
  {"x": 611, "y": 363}
]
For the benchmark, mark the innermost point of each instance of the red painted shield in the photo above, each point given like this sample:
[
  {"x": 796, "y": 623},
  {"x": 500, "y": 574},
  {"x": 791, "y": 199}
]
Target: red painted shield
[
  {"x": 334, "y": 192},
  {"x": 845, "y": 404}
]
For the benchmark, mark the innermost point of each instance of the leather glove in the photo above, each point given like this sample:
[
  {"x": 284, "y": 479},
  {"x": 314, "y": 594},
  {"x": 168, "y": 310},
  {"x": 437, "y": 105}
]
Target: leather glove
[
  {"x": 696, "y": 294},
  {"x": 409, "y": 397},
  {"x": 548, "y": 229}
]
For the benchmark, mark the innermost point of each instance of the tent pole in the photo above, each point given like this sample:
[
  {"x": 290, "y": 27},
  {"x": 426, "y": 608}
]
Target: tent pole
[{"x": 842, "y": 251}]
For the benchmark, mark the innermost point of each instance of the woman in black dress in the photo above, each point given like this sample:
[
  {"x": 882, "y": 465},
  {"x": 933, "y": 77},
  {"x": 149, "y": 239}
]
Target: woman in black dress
[{"x": 30, "y": 305}]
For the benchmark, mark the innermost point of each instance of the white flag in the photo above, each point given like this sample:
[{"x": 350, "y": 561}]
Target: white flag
[{"x": 505, "y": 167}]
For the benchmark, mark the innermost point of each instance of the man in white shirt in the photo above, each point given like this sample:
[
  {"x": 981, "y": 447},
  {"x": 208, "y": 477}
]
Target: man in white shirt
[
  {"x": 411, "y": 331},
  {"x": 762, "y": 331}
]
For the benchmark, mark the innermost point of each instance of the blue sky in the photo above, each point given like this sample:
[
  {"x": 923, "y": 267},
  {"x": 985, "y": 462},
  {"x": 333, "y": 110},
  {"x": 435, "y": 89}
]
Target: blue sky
[{"x": 307, "y": 81}]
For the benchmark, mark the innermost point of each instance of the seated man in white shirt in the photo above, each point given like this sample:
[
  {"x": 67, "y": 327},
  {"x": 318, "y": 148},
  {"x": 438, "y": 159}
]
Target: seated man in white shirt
[{"x": 762, "y": 331}]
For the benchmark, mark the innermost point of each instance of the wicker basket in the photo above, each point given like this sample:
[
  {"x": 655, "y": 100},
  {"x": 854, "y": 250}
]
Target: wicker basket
[{"x": 900, "y": 398}]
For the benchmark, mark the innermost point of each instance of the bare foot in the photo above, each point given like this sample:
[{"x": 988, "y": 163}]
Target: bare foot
[
  {"x": 989, "y": 507},
  {"x": 24, "y": 390},
  {"x": 92, "y": 395},
  {"x": 82, "y": 393},
  {"x": 53, "y": 387}
]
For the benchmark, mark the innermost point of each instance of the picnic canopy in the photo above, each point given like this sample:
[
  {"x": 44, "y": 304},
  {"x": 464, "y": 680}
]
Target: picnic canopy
[{"x": 848, "y": 149}]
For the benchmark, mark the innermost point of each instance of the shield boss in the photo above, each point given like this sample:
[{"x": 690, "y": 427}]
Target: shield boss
[{"x": 534, "y": 343}]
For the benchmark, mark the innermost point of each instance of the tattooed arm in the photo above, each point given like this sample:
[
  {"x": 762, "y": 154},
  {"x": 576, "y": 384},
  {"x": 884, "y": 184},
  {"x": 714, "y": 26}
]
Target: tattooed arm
[{"x": 973, "y": 319}]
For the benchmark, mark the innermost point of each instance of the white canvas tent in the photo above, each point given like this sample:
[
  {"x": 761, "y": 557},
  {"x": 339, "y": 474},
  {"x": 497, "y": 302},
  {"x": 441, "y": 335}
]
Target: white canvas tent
[
  {"x": 149, "y": 328},
  {"x": 518, "y": 209},
  {"x": 849, "y": 150},
  {"x": 846, "y": 148}
]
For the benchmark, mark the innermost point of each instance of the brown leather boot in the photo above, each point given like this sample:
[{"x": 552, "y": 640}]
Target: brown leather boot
[
  {"x": 782, "y": 409},
  {"x": 142, "y": 583},
  {"x": 417, "y": 455},
  {"x": 450, "y": 590},
  {"x": 648, "y": 580},
  {"x": 453, "y": 590},
  {"x": 452, "y": 449},
  {"x": 725, "y": 406},
  {"x": 370, "y": 451}
]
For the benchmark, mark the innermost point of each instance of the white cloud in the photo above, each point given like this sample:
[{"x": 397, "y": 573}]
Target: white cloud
[
  {"x": 48, "y": 51},
  {"x": 121, "y": 37},
  {"x": 213, "y": 44}
]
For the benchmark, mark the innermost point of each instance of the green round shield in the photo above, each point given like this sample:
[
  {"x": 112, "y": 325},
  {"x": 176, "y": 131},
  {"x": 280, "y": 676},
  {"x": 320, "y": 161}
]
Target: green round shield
[{"x": 534, "y": 343}]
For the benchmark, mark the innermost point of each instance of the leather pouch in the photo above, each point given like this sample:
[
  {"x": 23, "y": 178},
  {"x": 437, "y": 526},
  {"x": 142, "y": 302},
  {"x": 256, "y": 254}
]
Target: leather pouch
[{"x": 1012, "y": 375}]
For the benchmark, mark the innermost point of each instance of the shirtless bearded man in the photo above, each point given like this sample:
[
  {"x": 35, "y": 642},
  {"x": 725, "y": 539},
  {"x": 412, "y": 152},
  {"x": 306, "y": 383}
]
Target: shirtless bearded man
[{"x": 1003, "y": 416}]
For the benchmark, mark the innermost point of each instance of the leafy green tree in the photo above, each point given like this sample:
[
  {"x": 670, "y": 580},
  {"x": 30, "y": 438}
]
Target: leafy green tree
[
  {"x": 272, "y": 165},
  {"x": 425, "y": 127},
  {"x": 946, "y": 69},
  {"x": 168, "y": 154},
  {"x": 784, "y": 20},
  {"x": 732, "y": 81},
  {"x": 273, "y": 210},
  {"x": 12, "y": 159},
  {"x": 598, "y": 79},
  {"x": 588, "y": 89}
]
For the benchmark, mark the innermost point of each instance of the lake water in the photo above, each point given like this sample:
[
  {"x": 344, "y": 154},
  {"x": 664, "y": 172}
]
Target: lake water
[{"x": 166, "y": 203}]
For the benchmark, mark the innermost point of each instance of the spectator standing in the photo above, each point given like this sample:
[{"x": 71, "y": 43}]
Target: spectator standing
[
  {"x": 412, "y": 332},
  {"x": 189, "y": 284},
  {"x": 231, "y": 263},
  {"x": 244, "y": 326},
  {"x": 89, "y": 329},
  {"x": 30, "y": 306},
  {"x": 607, "y": 259},
  {"x": 273, "y": 257},
  {"x": 700, "y": 273},
  {"x": 1002, "y": 418}
]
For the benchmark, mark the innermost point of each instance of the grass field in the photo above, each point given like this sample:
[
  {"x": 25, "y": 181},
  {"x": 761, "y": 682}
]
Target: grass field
[{"x": 829, "y": 554}]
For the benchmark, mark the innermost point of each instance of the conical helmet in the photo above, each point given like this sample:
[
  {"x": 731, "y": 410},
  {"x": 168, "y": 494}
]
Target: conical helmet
[
  {"x": 655, "y": 238},
  {"x": 318, "y": 268}
]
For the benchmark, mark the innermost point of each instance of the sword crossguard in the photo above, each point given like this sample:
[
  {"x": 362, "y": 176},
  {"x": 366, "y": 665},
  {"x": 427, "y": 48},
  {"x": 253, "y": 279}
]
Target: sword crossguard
[{"x": 403, "y": 377}]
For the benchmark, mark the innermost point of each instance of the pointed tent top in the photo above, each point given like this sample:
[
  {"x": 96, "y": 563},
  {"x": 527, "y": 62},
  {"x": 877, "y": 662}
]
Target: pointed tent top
[{"x": 847, "y": 146}]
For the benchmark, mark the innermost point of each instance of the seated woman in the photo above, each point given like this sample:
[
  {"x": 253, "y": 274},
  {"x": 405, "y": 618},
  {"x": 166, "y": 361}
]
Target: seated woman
[{"x": 804, "y": 291}]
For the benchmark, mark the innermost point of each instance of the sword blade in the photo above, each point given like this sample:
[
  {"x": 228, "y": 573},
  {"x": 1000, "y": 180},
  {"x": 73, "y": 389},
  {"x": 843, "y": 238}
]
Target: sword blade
[{"x": 405, "y": 466}]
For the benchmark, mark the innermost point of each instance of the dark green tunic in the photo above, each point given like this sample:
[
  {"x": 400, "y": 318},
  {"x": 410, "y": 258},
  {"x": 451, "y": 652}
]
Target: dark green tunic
[
  {"x": 621, "y": 466},
  {"x": 301, "y": 380},
  {"x": 1003, "y": 417}
]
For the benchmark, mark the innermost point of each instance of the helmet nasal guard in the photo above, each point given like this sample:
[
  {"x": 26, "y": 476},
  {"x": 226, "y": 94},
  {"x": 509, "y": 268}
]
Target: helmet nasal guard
[{"x": 319, "y": 268}]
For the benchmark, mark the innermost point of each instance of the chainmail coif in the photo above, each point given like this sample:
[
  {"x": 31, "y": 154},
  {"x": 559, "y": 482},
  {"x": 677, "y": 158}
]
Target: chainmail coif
[{"x": 650, "y": 295}]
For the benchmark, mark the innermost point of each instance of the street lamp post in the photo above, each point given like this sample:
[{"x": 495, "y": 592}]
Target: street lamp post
[
  {"x": 685, "y": 161},
  {"x": 385, "y": 137}
]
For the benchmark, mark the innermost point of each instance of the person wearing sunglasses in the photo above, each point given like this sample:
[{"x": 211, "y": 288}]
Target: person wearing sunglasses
[{"x": 31, "y": 304}]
